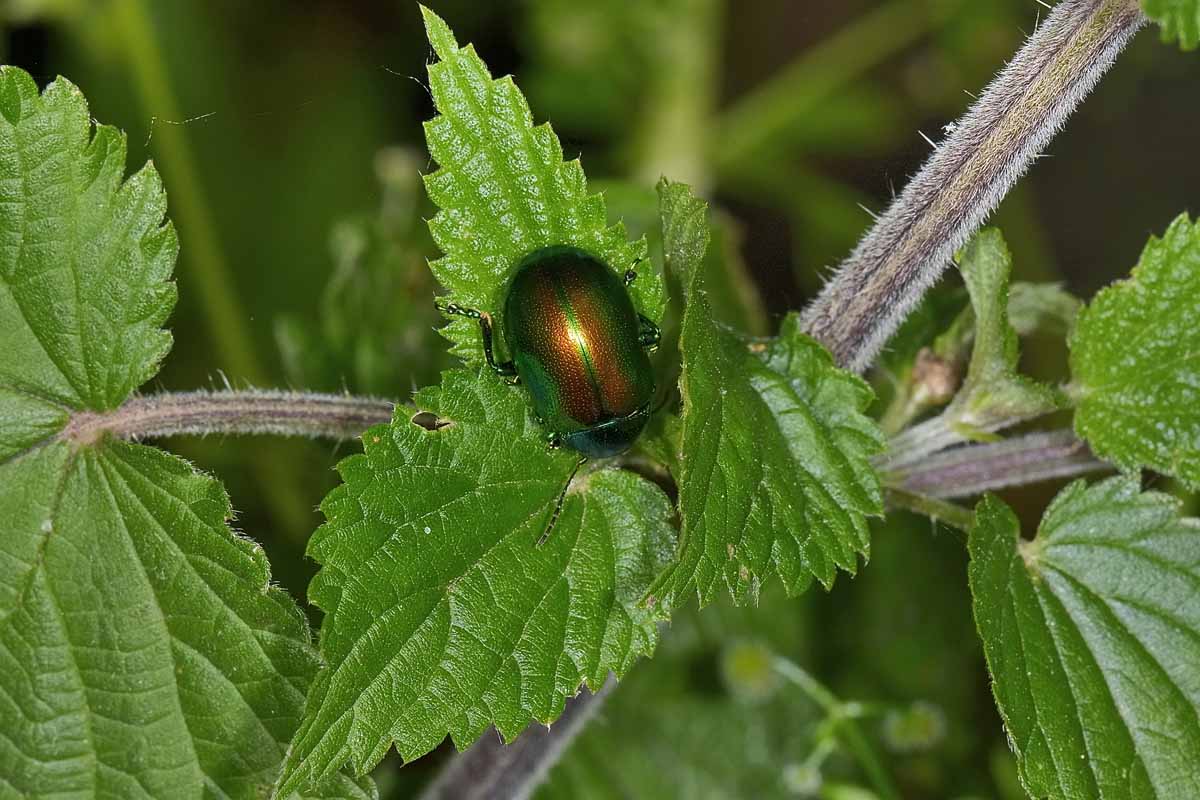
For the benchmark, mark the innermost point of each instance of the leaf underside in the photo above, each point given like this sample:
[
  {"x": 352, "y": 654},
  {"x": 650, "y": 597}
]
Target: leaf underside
[
  {"x": 442, "y": 613},
  {"x": 1135, "y": 356},
  {"x": 143, "y": 651},
  {"x": 775, "y": 475},
  {"x": 1092, "y": 634},
  {"x": 504, "y": 191}
]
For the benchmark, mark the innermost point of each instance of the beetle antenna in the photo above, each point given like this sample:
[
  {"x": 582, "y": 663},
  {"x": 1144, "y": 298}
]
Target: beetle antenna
[{"x": 562, "y": 496}]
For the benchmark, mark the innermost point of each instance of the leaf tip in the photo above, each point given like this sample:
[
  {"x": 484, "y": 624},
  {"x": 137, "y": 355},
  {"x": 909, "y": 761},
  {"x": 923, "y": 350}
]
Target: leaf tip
[
  {"x": 439, "y": 34},
  {"x": 988, "y": 242},
  {"x": 16, "y": 88}
]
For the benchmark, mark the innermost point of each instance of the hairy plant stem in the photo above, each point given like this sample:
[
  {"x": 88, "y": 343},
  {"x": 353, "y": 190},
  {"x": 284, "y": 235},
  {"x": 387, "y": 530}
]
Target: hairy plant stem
[
  {"x": 329, "y": 416},
  {"x": 967, "y": 176},
  {"x": 492, "y": 769},
  {"x": 915, "y": 444},
  {"x": 973, "y": 469}
]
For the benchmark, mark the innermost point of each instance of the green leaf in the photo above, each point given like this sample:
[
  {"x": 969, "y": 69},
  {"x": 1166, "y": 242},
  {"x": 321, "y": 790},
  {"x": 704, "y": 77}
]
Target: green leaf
[
  {"x": 1180, "y": 20},
  {"x": 1092, "y": 634},
  {"x": 1135, "y": 360},
  {"x": 1042, "y": 308},
  {"x": 942, "y": 323},
  {"x": 928, "y": 353},
  {"x": 993, "y": 394},
  {"x": 505, "y": 191},
  {"x": 143, "y": 650},
  {"x": 685, "y": 232},
  {"x": 776, "y": 475},
  {"x": 442, "y": 612},
  {"x": 1032, "y": 308},
  {"x": 86, "y": 259},
  {"x": 734, "y": 296}
]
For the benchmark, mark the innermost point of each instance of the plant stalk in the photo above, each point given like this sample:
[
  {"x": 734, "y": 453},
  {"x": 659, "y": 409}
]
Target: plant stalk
[
  {"x": 952, "y": 514},
  {"x": 329, "y": 416},
  {"x": 837, "y": 712},
  {"x": 915, "y": 444},
  {"x": 491, "y": 768},
  {"x": 974, "y": 469},
  {"x": 967, "y": 175}
]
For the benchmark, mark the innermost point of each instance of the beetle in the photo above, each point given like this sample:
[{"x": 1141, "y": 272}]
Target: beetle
[{"x": 576, "y": 342}]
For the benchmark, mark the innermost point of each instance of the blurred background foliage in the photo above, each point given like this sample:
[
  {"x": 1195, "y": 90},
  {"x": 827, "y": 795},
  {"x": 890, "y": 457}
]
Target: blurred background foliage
[{"x": 289, "y": 135}]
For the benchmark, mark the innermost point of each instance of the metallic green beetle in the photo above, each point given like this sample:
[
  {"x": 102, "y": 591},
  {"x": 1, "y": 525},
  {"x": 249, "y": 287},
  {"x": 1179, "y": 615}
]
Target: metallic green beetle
[{"x": 575, "y": 340}]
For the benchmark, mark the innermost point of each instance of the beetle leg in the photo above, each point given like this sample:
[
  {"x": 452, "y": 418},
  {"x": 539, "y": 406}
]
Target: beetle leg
[
  {"x": 562, "y": 496},
  {"x": 649, "y": 335},
  {"x": 506, "y": 369},
  {"x": 631, "y": 273}
]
